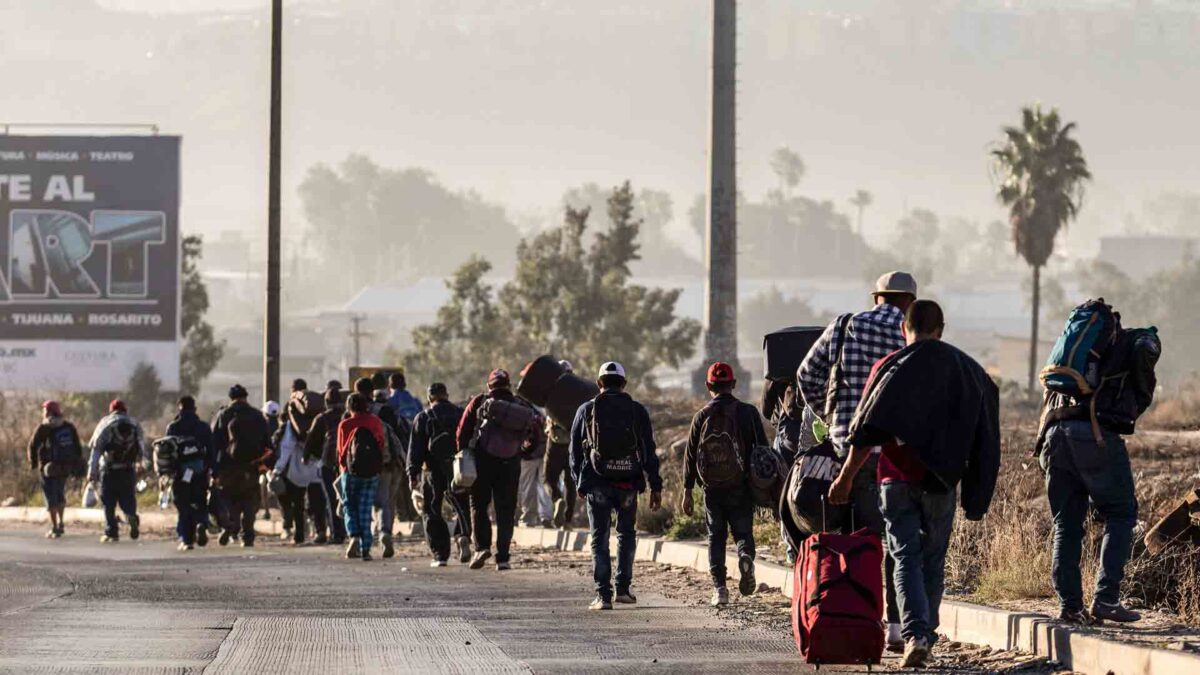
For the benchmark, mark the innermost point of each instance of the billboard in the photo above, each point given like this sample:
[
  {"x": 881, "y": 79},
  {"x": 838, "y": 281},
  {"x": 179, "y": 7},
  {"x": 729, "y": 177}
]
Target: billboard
[{"x": 89, "y": 261}]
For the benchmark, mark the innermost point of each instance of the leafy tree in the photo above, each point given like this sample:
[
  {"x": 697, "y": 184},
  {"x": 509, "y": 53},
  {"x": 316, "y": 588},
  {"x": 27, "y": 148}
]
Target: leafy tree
[
  {"x": 655, "y": 209},
  {"x": 201, "y": 350},
  {"x": 912, "y": 247},
  {"x": 570, "y": 296},
  {"x": 771, "y": 310},
  {"x": 144, "y": 394},
  {"x": 1042, "y": 171},
  {"x": 861, "y": 200},
  {"x": 789, "y": 169}
]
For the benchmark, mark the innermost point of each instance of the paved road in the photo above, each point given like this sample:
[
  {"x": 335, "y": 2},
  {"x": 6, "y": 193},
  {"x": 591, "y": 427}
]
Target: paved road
[{"x": 78, "y": 605}]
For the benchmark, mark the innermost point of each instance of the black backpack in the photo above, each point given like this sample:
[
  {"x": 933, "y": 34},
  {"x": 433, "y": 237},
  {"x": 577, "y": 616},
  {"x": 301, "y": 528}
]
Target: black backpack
[
  {"x": 248, "y": 436},
  {"x": 364, "y": 458},
  {"x": 122, "y": 445},
  {"x": 719, "y": 459},
  {"x": 806, "y": 490},
  {"x": 63, "y": 447},
  {"x": 442, "y": 444},
  {"x": 612, "y": 437}
]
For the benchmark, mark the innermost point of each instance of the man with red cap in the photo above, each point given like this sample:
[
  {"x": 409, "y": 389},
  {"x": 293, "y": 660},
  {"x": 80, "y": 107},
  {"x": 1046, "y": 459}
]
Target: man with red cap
[
  {"x": 717, "y": 456},
  {"x": 55, "y": 453},
  {"x": 118, "y": 448},
  {"x": 498, "y": 426}
]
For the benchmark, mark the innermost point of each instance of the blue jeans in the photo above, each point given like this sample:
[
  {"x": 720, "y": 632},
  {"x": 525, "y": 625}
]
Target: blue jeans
[
  {"x": 1078, "y": 470},
  {"x": 191, "y": 501},
  {"x": 865, "y": 512},
  {"x": 601, "y": 503},
  {"x": 117, "y": 489},
  {"x": 918, "y": 524},
  {"x": 727, "y": 511}
]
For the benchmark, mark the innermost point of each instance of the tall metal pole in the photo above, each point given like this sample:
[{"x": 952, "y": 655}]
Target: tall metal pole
[
  {"x": 720, "y": 244},
  {"x": 271, "y": 327}
]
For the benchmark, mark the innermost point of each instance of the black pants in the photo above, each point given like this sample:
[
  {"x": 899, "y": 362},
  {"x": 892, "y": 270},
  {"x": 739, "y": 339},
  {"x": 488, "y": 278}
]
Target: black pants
[
  {"x": 294, "y": 502},
  {"x": 497, "y": 483},
  {"x": 558, "y": 466},
  {"x": 337, "y": 526},
  {"x": 728, "y": 512},
  {"x": 191, "y": 501},
  {"x": 436, "y": 489},
  {"x": 117, "y": 488},
  {"x": 239, "y": 490}
]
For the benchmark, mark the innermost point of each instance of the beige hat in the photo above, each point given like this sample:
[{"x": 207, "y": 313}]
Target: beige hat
[{"x": 894, "y": 283}]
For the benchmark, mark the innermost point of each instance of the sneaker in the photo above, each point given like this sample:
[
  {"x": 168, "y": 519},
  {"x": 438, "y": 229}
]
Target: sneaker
[
  {"x": 895, "y": 641},
  {"x": 109, "y": 539},
  {"x": 60, "y": 532},
  {"x": 438, "y": 563},
  {"x": 226, "y": 535},
  {"x": 626, "y": 598},
  {"x": 201, "y": 537},
  {"x": 352, "y": 548},
  {"x": 464, "y": 549},
  {"x": 720, "y": 597},
  {"x": 320, "y": 540},
  {"x": 388, "y": 549},
  {"x": 183, "y": 546},
  {"x": 366, "y": 555},
  {"x": 286, "y": 534},
  {"x": 1078, "y": 617},
  {"x": 600, "y": 603},
  {"x": 479, "y": 559},
  {"x": 560, "y": 512},
  {"x": 916, "y": 653},
  {"x": 247, "y": 543},
  {"x": 503, "y": 565},
  {"x": 547, "y": 524},
  {"x": 746, "y": 584},
  {"x": 134, "y": 522},
  {"x": 51, "y": 533},
  {"x": 1103, "y": 611}
]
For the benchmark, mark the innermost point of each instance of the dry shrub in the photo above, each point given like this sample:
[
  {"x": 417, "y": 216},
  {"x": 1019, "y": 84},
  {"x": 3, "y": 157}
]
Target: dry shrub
[{"x": 1179, "y": 409}]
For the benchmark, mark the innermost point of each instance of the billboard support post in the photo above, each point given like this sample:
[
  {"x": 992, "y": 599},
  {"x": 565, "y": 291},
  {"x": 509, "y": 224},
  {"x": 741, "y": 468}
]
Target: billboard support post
[{"x": 271, "y": 329}]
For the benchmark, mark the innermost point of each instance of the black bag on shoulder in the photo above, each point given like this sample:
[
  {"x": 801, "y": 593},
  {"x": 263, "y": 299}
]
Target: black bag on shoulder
[
  {"x": 442, "y": 444},
  {"x": 364, "y": 456},
  {"x": 612, "y": 437},
  {"x": 121, "y": 448}
]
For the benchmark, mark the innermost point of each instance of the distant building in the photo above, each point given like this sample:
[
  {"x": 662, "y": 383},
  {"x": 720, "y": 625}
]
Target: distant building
[
  {"x": 1144, "y": 256},
  {"x": 1009, "y": 359}
]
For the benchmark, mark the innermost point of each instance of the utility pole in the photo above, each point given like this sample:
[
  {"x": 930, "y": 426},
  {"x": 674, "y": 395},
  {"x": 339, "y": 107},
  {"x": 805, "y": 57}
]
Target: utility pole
[
  {"x": 720, "y": 242},
  {"x": 357, "y": 334},
  {"x": 271, "y": 324}
]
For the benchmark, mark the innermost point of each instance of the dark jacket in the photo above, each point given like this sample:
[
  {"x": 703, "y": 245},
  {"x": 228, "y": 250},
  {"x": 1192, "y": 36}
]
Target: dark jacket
[
  {"x": 750, "y": 434},
  {"x": 1125, "y": 392},
  {"x": 187, "y": 423},
  {"x": 39, "y": 444},
  {"x": 447, "y": 415},
  {"x": 585, "y": 475},
  {"x": 945, "y": 407},
  {"x": 468, "y": 425},
  {"x": 241, "y": 437},
  {"x": 322, "y": 437}
]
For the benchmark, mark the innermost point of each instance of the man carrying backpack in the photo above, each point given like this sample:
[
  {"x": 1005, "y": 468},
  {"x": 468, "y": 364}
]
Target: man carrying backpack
[
  {"x": 405, "y": 404},
  {"x": 498, "y": 426},
  {"x": 612, "y": 458},
  {"x": 321, "y": 446},
  {"x": 717, "y": 455},
  {"x": 194, "y": 458},
  {"x": 118, "y": 449},
  {"x": 301, "y": 475},
  {"x": 1099, "y": 381},
  {"x": 55, "y": 453},
  {"x": 393, "y": 488},
  {"x": 832, "y": 377},
  {"x": 362, "y": 442},
  {"x": 243, "y": 445},
  {"x": 432, "y": 449}
]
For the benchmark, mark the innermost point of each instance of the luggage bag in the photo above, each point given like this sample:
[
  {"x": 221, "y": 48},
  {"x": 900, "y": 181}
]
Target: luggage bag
[{"x": 837, "y": 605}]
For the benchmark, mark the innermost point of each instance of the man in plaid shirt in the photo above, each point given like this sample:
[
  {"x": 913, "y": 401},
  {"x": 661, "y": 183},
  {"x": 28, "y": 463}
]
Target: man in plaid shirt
[{"x": 864, "y": 338}]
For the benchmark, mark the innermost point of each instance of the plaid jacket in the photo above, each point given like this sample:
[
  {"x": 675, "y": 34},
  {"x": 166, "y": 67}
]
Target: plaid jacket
[{"x": 870, "y": 336}]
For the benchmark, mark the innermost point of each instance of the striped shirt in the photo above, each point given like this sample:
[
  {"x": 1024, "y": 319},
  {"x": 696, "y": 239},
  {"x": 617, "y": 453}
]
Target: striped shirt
[{"x": 870, "y": 336}]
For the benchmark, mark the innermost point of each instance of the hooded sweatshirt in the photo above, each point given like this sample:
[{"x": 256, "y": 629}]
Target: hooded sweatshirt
[{"x": 106, "y": 430}]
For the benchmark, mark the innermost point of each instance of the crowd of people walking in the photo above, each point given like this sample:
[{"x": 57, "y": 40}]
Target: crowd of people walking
[{"x": 910, "y": 423}]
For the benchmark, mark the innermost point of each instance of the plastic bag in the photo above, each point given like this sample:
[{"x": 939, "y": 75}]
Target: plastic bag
[
  {"x": 465, "y": 471},
  {"x": 90, "y": 498}
]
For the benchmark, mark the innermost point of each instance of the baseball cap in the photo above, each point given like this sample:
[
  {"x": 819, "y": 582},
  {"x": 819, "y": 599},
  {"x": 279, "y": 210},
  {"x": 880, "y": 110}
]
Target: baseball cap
[
  {"x": 271, "y": 408},
  {"x": 720, "y": 372},
  {"x": 896, "y": 283},
  {"x": 498, "y": 378},
  {"x": 117, "y": 405},
  {"x": 612, "y": 368},
  {"x": 52, "y": 408}
]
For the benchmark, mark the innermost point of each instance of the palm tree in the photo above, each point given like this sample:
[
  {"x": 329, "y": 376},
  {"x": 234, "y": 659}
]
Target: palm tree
[
  {"x": 861, "y": 200},
  {"x": 788, "y": 168},
  {"x": 1041, "y": 170}
]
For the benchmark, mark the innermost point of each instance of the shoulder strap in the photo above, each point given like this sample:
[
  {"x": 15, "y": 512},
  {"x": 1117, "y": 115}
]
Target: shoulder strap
[{"x": 839, "y": 337}]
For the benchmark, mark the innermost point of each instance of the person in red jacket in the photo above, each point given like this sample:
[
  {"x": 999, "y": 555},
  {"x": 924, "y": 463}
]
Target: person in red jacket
[{"x": 359, "y": 486}]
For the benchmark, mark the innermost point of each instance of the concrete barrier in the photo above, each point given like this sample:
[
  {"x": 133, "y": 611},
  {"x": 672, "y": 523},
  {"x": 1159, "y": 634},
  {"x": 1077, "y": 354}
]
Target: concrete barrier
[{"x": 152, "y": 520}]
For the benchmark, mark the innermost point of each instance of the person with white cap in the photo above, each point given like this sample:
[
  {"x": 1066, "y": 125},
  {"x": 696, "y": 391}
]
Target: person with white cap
[
  {"x": 271, "y": 410},
  {"x": 832, "y": 378},
  {"x": 612, "y": 460},
  {"x": 556, "y": 471}
]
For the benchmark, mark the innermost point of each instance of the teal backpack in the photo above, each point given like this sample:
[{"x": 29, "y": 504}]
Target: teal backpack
[{"x": 1073, "y": 368}]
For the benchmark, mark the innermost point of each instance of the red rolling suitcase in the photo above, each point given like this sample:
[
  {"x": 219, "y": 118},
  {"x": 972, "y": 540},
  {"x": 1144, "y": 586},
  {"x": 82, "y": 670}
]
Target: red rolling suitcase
[{"x": 837, "y": 605}]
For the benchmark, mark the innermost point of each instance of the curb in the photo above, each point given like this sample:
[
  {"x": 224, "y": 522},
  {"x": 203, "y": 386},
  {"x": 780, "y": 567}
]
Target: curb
[{"x": 1077, "y": 649}]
